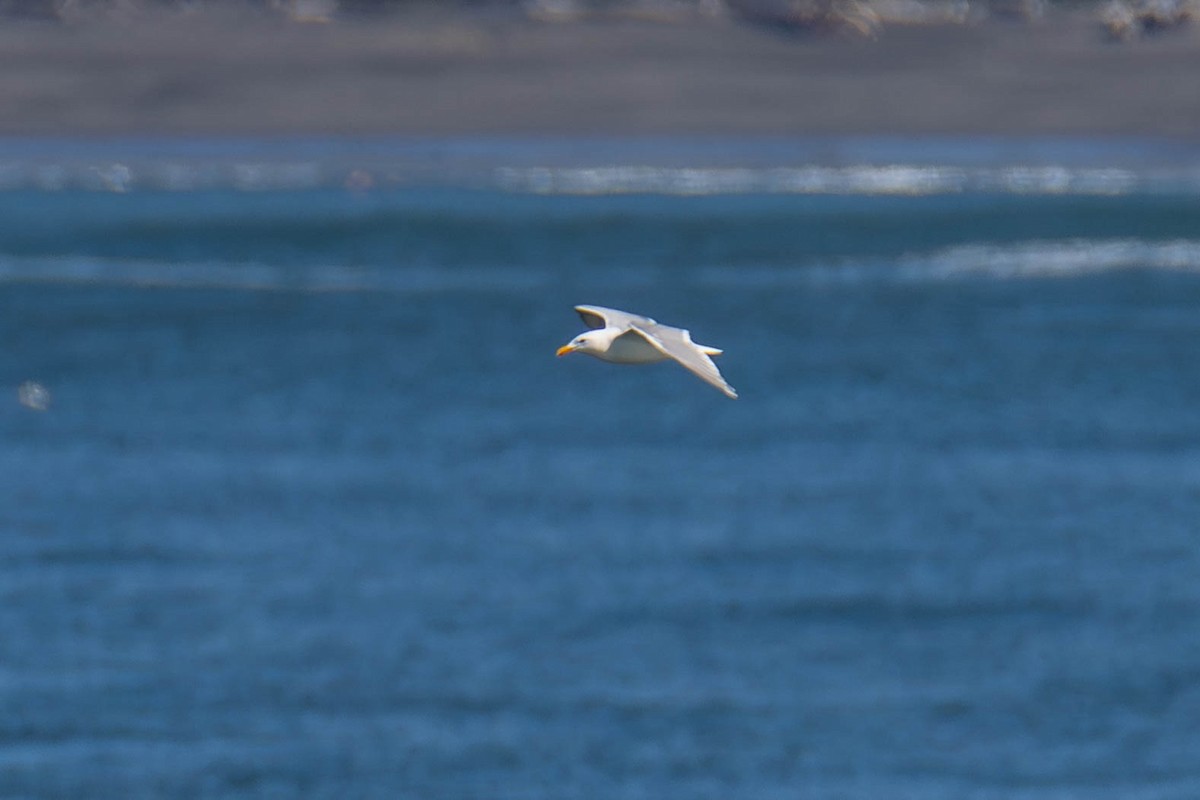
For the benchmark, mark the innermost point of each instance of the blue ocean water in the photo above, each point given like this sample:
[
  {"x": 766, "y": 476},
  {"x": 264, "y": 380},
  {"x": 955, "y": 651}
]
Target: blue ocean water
[{"x": 295, "y": 500}]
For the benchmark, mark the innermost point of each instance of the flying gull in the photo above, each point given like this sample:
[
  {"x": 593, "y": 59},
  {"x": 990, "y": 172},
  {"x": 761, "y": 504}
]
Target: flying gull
[{"x": 624, "y": 338}]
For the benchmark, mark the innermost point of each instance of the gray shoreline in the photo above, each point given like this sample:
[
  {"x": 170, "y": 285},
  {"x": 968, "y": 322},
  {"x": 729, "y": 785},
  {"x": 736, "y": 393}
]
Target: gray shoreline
[{"x": 436, "y": 75}]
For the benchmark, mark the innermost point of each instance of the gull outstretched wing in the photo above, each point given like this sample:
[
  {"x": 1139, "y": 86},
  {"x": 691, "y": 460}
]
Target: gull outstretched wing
[
  {"x": 677, "y": 344},
  {"x": 601, "y": 317}
]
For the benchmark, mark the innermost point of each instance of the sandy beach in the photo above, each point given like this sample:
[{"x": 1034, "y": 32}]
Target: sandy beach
[{"x": 473, "y": 73}]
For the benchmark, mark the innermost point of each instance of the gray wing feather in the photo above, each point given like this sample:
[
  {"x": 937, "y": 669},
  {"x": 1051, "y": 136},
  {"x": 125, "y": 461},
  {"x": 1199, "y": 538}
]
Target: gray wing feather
[
  {"x": 601, "y": 317},
  {"x": 677, "y": 344}
]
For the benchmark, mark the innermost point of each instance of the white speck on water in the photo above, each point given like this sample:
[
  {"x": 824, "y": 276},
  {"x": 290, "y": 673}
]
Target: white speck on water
[{"x": 34, "y": 396}]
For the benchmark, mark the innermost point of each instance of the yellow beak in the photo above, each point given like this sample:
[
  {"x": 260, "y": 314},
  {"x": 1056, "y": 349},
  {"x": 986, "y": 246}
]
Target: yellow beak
[{"x": 562, "y": 351}]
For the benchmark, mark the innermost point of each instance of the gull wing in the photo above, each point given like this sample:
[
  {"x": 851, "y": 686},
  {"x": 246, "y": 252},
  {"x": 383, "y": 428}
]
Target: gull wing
[
  {"x": 677, "y": 344},
  {"x": 601, "y": 317}
]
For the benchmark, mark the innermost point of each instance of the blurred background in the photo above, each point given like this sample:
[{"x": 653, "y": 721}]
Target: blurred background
[
  {"x": 615, "y": 68},
  {"x": 295, "y": 500}
]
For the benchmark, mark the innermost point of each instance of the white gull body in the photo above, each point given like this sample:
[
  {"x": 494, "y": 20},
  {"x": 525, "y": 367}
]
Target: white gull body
[{"x": 624, "y": 338}]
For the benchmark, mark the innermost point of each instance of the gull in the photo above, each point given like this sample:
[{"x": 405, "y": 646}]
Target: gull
[{"x": 624, "y": 338}]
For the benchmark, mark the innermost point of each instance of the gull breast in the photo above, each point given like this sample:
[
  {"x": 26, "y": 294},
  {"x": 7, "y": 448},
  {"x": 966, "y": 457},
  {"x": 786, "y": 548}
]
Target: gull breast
[{"x": 632, "y": 349}]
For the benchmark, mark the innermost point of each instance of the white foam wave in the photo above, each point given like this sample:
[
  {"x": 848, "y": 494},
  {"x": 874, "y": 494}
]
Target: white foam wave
[
  {"x": 1022, "y": 260},
  {"x": 860, "y": 179},
  {"x": 267, "y": 277},
  {"x": 1054, "y": 259},
  {"x": 167, "y": 175},
  {"x": 912, "y": 179}
]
